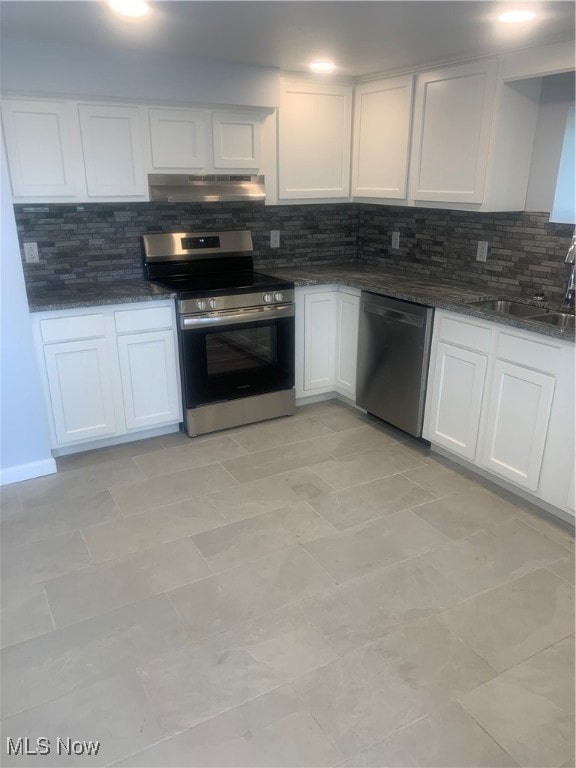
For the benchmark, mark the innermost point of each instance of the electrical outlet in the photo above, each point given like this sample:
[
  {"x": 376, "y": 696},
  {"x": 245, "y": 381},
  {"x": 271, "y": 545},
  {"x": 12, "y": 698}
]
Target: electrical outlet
[
  {"x": 395, "y": 240},
  {"x": 482, "y": 251},
  {"x": 275, "y": 238},
  {"x": 31, "y": 253}
]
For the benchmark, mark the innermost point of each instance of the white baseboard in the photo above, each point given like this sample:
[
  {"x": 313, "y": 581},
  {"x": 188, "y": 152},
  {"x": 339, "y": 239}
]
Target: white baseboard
[{"x": 27, "y": 471}]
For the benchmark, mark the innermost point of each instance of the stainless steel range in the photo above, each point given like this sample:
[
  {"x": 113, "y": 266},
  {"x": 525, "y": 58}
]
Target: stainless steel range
[{"x": 235, "y": 328}]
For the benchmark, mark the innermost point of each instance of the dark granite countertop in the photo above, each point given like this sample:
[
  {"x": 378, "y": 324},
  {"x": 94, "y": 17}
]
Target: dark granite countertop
[
  {"x": 455, "y": 297},
  {"x": 95, "y": 294}
]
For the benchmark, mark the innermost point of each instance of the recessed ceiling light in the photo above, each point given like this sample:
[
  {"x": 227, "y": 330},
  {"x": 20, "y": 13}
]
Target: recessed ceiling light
[
  {"x": 322, "y": 66},
  {"x": 516, "y": 17},
  {"x": 132, "y": 8}
]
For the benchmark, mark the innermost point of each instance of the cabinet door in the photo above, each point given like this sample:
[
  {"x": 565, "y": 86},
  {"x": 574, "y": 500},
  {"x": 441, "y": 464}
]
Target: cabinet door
[
  {"x": 455, "y": 401},
  {"x": 517, "y": 423},
  {"x": 43, "y": 147},
  {"x": 382, "y": 112},
  {"x": 452, "y": 121},
  {"x": 319, "y": 341},
  {"x": 236, "y": 141},
  {"x": 149, "y": 373},
  {"x": 112, "y": 151},
  {"x": 80, "y": 387},
  {"x": 178, "y": 139},
  {"x": 347, "y": 314},
  {"x": 314, "y": 140}
]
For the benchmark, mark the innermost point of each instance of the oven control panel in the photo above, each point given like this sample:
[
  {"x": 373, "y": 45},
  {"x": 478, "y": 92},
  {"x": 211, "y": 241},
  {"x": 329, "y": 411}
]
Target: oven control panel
[
  {"x": 235, "y": 301},
  {"x": 202, "y": 305},
  {"x": 273, "y": 298}
]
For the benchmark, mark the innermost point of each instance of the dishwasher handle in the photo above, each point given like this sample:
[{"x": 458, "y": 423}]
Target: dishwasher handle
[{"x": 393, "y": 315}]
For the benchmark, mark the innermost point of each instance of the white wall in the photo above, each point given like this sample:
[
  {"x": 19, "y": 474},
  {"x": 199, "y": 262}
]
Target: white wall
[
  {"x": 73, "y": 71},
  {"x": 564, "y": 208},
  {"x": 555, "y": 100},
  {"x": 24, "y": 436}
]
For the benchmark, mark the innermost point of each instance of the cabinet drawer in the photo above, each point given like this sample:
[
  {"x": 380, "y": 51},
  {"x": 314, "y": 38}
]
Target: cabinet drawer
[
  {"x": 466, "y": 334},
  {"x": 532, "y": 354},
  {"x": 134, "y": 320},
  {"x": 72, "y": 328}
]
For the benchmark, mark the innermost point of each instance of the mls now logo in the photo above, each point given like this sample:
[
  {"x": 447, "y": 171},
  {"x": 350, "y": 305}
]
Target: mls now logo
[
  {"x": 25, "y": 746},
  {"x": 42, "y": 746}
]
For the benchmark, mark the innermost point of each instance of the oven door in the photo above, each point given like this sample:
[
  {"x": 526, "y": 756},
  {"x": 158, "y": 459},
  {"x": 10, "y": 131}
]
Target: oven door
[{"x": 236, "y": 354}]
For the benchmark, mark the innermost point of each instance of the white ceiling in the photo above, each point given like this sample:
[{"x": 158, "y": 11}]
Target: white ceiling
[{"x": 361, "y": 37}]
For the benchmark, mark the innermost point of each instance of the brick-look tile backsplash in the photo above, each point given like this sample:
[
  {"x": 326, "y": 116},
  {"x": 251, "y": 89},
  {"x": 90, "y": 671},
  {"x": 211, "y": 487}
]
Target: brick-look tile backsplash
[
  {"x": 101, "y": 241},
  {"x": 525, "y": 251}
]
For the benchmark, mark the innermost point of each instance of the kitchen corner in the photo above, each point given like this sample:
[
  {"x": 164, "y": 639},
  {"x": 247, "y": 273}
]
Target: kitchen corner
[
  {"x": 463, "y": 298},
  {"x": 92, "y": 253},
  {"x": 288, "y": 372}
]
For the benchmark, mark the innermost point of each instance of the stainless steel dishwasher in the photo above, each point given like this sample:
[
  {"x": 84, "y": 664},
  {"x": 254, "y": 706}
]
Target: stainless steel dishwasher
[{"x": 393, "y": 354}]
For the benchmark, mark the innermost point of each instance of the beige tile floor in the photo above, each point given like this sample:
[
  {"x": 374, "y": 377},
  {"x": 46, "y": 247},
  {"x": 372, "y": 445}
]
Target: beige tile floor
[{"x": 313, "y": 591}]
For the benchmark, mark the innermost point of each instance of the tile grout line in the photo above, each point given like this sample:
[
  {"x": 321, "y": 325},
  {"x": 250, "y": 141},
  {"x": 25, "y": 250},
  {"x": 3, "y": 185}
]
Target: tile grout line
[
  {"x": 201, "y": 722},
  {"x": 479, "y": 724},
  {"x": 130, "y": 602},
  {"x": 54, "y": 627}
]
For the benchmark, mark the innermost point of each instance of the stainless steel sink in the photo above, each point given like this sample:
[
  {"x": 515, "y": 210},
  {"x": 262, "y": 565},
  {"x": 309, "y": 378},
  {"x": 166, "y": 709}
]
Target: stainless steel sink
[
  {"x": 510, "y": 308},
  {"x": 560, "y": 319}
]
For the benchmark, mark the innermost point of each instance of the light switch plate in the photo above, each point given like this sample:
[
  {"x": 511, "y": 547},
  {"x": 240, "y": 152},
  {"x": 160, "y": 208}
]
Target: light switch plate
[
  {"x": 275, "y": 238},
  {"x": 31, "y": 253},
  {"x": 482, "y": 250},
  {"x": 396, "y": 240}
]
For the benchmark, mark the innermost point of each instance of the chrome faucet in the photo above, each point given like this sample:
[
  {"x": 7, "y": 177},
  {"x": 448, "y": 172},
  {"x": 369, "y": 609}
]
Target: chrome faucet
[{"x": 568, "y": 300}]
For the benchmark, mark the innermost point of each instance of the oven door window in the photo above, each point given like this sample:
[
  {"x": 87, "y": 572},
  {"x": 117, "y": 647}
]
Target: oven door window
[{"x": 225, "y": 363}]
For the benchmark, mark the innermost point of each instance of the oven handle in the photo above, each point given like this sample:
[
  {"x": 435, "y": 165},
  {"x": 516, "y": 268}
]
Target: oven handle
[{"x": 253, "y": 315}]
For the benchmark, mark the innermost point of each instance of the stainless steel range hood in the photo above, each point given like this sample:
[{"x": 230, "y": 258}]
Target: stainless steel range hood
[{"x": 183, "y": 188}]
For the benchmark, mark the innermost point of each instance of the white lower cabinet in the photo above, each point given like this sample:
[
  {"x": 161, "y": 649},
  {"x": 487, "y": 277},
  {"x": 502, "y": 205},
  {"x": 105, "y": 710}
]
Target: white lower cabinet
[
  {"x": 519, "y": 406},
  {"x": 79, "y": 379},
  {"x": 319, "y": 341},
  {"x": 150, "y": 389},
  {"x": 456, "y": 398},
  {"x": 502, "y": 399},
  {"x": 347, "y": 316},
  {"x": 108, "y": 371},
  {"x": 326, "y": 340}
]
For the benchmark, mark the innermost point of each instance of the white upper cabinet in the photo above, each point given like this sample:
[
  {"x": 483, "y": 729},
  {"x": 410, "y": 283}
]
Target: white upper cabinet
[
  {"x": 236, "y": 141},
  {"x": 112, "y": 147},
  {"x": 382, "y": 125},
  {"x": 465, "y": 140},
  {"x": 43, "y": 147},
  {"x": 314, "y": 140},
  {"x": 452, "y": 124},
  {"x": 178, "y": 139}
]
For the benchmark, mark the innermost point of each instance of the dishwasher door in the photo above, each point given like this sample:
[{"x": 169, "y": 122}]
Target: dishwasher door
[{"x": 393, "y": 353}]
